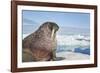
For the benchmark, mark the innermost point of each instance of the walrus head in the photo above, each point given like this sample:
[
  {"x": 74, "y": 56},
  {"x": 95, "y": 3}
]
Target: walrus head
[{"x": 53, "y": 28}]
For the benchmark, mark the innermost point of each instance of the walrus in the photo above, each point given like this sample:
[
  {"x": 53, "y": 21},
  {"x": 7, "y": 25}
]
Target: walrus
[{"x": 41, "y": 45}]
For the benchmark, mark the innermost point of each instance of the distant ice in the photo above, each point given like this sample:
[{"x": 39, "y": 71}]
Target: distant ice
[{"x": 72, "y": 40}]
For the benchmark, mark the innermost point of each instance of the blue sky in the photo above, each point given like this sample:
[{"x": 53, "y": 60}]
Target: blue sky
[{"x": 63, "y": 19}]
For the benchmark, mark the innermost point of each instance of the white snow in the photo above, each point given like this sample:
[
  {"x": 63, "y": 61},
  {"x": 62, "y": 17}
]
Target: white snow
[{"x": 73, "y": 56}]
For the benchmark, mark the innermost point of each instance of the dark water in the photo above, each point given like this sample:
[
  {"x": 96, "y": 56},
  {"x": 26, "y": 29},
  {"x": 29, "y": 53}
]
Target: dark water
[{"x": 83, "y": 50}]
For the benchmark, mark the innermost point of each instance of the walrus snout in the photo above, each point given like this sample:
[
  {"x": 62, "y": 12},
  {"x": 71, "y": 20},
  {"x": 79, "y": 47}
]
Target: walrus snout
[
  {"x": 53, "y": 27},
  {"x": 56, "y": 27}
]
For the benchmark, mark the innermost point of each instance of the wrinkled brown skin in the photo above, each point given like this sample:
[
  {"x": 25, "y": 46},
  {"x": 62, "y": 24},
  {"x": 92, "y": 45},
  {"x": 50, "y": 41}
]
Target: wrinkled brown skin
[{"x": 39, "y": 46}]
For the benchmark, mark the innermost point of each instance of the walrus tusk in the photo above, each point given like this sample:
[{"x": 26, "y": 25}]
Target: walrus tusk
[{"x": 52, "y": 33}]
